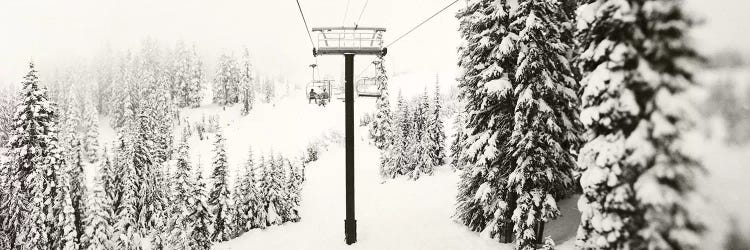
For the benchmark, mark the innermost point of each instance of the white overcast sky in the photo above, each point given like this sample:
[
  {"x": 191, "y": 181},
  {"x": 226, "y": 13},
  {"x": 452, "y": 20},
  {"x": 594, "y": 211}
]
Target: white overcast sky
[{"x": 55, "y": 33}]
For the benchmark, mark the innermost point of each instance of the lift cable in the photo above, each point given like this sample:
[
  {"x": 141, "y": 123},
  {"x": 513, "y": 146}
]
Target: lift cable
[
  {"x": 423, "y": 22},
  {"x": 305, "y": 21},
  {"x": 346, "y": 10},
  {"x": 360, "y": 13}
]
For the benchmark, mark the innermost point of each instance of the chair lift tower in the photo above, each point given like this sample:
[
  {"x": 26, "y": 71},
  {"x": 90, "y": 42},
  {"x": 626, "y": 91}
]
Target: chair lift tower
[{"x": 349, "y": 41}]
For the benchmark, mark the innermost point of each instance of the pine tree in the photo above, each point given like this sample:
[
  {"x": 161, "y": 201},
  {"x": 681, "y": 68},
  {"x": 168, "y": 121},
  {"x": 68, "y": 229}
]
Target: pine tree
[
  {"x": 219, "y": 196},
  {"x": 36, "y": 159},
  {"x": 546, "y": 126},
  {"x": 69, "y": 240},
  {"x": 274, "y": 191},
  {"x": 239, "y": 201},
  {"x": 294, "y": 190},
  {"x": 76, "y": 190},
  {"x": 91, "y": 133},
  {"x": 127, "y": 233},
  {"x": 247, "y": 94},
  {"x": 196, "y": 85},
  {"x": 407, "y": 149},
  {"x": 458, "y": 141},
  {"x": 667, "y": 186},
  {"x": 393, "y": 157},
  {"x": 181, "y": 191},
  {"x": 487, "y": 59},
  {"x": 99, "y": 228},
  {"x": 436, "y": 130},
  {"x": 608, "y": 34},
  {"x": 261, "y": 213},
  {"x": 381, "y": 126},
  {"x": 226, "y": 82},
  {"x": 199, "y": 218},
  {"x": 249, "y": 204}
]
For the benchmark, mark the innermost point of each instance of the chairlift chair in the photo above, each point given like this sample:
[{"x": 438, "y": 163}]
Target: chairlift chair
[
  {"x": 368, "y": 87},
  {"x": 321, "y": 89}
]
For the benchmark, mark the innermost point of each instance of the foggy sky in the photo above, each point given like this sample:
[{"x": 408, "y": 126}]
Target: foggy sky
[{"x": 55, "y": 33}]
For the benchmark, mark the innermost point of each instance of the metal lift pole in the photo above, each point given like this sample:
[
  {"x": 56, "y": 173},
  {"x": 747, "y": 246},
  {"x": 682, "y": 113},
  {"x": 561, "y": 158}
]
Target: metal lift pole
[
  {"x": 349, "y": 41},
  {"x": 350, "y": 224}
]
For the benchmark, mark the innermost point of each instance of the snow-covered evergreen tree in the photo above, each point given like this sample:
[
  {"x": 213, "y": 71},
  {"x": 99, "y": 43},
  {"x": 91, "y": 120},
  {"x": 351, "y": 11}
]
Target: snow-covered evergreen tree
[
  {"x": 91, "y": 131},
  {"x": 199, "y": 219},
  {"x": 196, "y": 84},
  {"x": 380, "y": 131},
  {"x": 294, "y": 190},
  {"x": 226, "y": 82},
  {"x": 99, "y": 230},
  {"x": 219, "y": 197},
  {"x": 487, "y": 60},
  {"x": 75, "y": 189},
  {"x": 247, "y": 202},
  {"x": 666, "y": 187},
  {"x": 546, "y": 126},
  {"x": 436, "y": 130},
  {"x": 261, "y": 214},
  {"x": 394, "y": 159},
  {"x": 608, "y": 33},
  {"x": 274, "y": 191},
  {"x": 458, "y": 139},
  {"x": 637, "y": 180},
  {"x": 127, "y": 231},
  {"x": 247, "y": 92},
  {"x": 30, "y": 211},
  {"x": 69, "y": 238},
  {"x": 181, "y": 191}
]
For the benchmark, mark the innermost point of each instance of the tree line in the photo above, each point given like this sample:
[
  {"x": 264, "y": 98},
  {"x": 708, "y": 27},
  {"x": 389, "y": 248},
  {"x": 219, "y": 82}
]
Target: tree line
[
  {"x": 411, "y": 138},
  {"x": 137, "y": 199}
]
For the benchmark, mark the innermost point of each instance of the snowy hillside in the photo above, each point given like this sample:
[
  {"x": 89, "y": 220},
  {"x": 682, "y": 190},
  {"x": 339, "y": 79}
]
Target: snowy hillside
[{"x": 398, "y": 214}]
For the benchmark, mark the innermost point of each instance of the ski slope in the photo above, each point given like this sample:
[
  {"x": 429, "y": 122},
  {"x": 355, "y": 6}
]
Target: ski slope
[{"x": 397, "y": 214}]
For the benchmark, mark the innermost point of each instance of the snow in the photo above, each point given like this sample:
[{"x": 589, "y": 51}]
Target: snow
[{"x": 499, "y": 86}]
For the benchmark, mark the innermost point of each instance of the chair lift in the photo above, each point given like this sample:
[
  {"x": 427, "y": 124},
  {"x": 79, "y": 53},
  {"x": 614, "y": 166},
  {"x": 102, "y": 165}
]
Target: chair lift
[
  {"x": 318, "y": 90},
  {"x": 369, "y": 86}
]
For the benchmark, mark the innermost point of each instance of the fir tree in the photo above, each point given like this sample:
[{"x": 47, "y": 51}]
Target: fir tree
[
  {"x": 76, "y": 190},
  {"x": 546, "y": 126},
  {"x": 127, "y": 232},
  {"x": 608, "y": 59},
  {"x": 181, "y": 191},
  {"x": 239, "y": 205},
  {"x": 380, "y": 131},
  {"x": 274, "y": 191},
  {"x": 436, "y": 130},
  {"x": 99, "y": 228},
  {"x": 219, "y": 196},
  {"x": 196, "y": 85},
  {"x": 261, "y": 214},
  {"x": 31, "y": 208},
  {"x": 294, "y": 190},
  {"x": 248, "y": 204},
  {"x": 247, "y": 94},
  {"x": 487, "y": 59},
  {"x": 91, "y": 133},
  {"x": 458, "y": 141},
  {"x": 199, "y": 218},
  {"x": 667, "y": 184},
  {"x": 226, "y": 82},
  {"x": 69, "y": 240}
]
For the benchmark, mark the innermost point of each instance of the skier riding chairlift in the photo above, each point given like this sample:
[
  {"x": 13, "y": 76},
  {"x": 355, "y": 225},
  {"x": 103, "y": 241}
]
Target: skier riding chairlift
[
  {"x": 321, "y": 100},
  {"x": 311, "y": 96}
]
